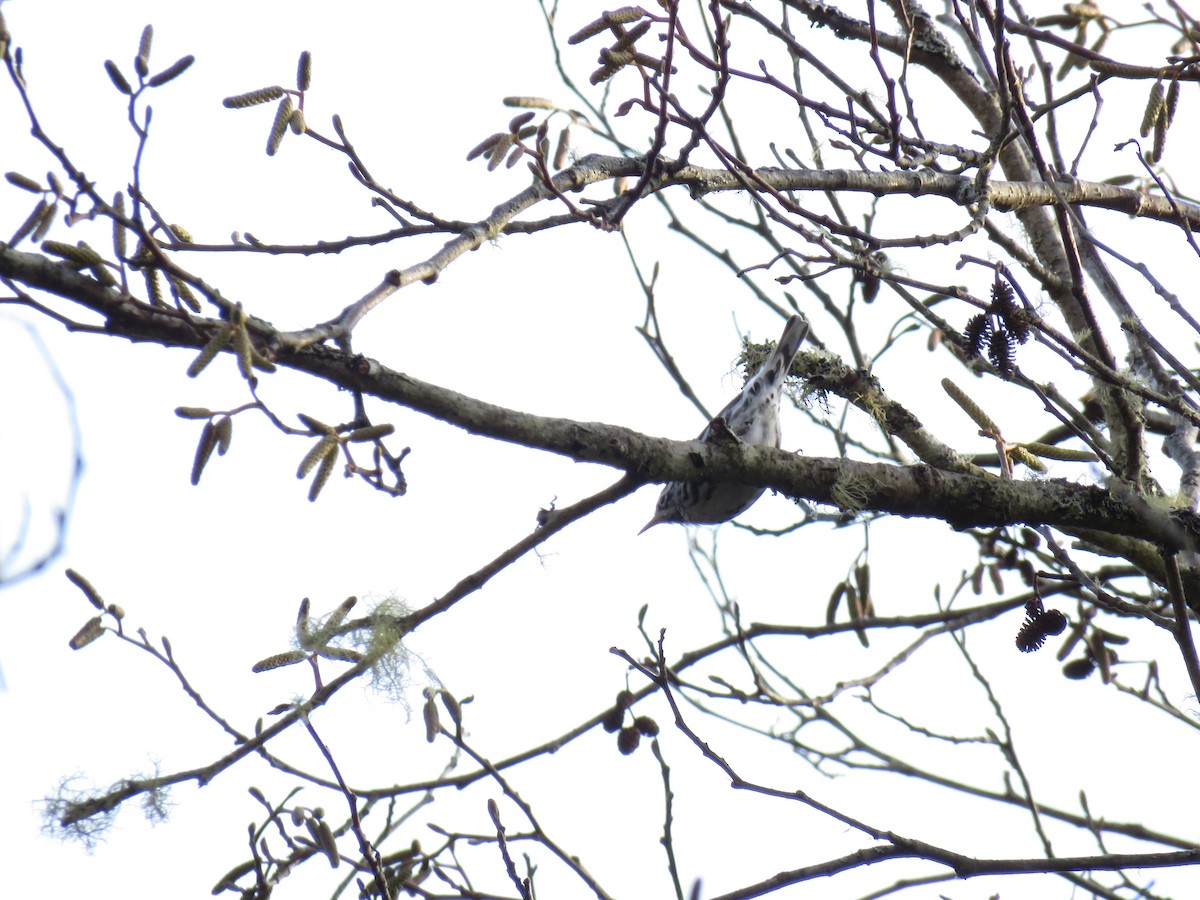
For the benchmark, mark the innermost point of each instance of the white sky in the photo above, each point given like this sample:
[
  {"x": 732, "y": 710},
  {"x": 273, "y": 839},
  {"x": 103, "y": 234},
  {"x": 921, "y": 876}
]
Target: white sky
[{"x": 543, "y": 324}]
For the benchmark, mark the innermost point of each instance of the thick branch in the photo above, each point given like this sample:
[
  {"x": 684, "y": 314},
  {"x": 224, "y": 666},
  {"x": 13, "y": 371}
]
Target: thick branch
[
  {"x": 962, "y": 500},
  {"x": 1007, "y": 196}
]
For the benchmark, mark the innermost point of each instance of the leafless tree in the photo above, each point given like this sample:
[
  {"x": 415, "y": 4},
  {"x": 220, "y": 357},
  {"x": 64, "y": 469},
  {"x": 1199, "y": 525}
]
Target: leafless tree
[{"x": 938, "y": 194}]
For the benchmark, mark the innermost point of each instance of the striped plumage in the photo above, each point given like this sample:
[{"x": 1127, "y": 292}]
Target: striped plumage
[{"x": 753, "y": 417}]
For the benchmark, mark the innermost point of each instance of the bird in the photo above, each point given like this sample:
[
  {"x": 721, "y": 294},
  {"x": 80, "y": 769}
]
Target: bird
[{"x": 752, "y": 417}]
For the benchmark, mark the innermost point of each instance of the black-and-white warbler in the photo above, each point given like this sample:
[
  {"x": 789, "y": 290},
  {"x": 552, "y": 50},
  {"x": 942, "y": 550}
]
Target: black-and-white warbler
[{"x": 753, "y": 418}]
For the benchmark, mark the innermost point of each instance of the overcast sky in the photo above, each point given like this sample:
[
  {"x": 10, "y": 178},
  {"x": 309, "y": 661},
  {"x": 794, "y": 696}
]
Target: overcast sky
[{"x": 542, "y": 324}]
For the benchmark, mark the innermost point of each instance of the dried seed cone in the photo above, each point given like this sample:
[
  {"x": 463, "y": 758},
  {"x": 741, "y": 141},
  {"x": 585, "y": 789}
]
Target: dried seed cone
[
  {"x": 628, "y": 739},
  {"x": 1078, "y": 669},
  {"x": 646, "y": 726},
  {"x": 1001, "y": 351},
  {"x": 88, "y": 633}
]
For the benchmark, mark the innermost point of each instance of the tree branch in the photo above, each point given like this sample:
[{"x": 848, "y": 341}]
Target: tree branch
[{"x": 919, "y": 491}]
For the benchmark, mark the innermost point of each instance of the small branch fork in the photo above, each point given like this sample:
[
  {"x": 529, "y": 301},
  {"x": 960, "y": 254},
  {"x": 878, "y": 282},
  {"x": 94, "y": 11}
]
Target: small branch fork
[{"x": 896, "y": 846}]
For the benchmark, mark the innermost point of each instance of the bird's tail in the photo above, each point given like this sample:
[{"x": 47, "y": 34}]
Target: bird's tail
[{"x": 794, "y": 333}]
